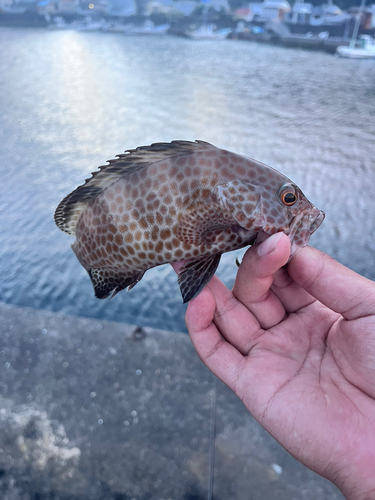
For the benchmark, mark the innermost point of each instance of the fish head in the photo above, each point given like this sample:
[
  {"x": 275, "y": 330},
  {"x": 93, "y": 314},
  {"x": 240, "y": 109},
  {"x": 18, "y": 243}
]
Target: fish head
[
  {"x": 269, "y": 203},
  {"x": 297, "y": 217}
]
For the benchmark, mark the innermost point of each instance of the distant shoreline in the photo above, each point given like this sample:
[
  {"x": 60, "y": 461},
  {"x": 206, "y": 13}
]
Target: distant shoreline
[{"x": 307, "y": 41}]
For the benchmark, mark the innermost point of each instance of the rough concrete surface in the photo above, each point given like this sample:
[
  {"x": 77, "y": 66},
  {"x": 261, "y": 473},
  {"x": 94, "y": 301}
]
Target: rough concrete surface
[{"x": 96, "y": 410}]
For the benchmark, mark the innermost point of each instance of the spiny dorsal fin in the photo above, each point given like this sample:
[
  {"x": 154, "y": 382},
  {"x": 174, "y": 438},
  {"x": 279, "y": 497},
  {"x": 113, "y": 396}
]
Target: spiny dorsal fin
[{"x": 70, "y": 208}]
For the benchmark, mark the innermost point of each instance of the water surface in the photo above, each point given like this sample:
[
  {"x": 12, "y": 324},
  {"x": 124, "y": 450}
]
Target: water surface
[{"x": 69, "y": 101}]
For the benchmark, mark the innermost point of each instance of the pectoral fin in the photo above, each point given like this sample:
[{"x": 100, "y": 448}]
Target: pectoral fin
[
  {"x": 194, "y": 275},
  {"x": 108, "y": 282},
  {"x": 202, "y": 223},
  {"x": 243, "y": 201}
]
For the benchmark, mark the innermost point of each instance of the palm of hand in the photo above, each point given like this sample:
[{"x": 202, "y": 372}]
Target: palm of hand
[
  {"x": 306, "y": 372},
  {"x": 309, "y": 396}
]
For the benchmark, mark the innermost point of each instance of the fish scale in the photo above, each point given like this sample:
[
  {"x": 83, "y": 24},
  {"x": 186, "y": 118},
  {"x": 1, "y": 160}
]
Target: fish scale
[{"x": 180, "y": 201}]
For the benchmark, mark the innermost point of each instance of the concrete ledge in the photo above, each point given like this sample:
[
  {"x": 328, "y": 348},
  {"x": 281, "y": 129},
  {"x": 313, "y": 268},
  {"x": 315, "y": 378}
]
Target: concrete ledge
[{"x": 94, "y": 410}]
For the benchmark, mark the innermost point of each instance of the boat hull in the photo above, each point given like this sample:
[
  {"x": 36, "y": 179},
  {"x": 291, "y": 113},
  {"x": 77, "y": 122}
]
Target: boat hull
[
  {"x": 351, "y": 53},
  {"x": 363, "y": 48},
  {"x": 207, "y": 33}
]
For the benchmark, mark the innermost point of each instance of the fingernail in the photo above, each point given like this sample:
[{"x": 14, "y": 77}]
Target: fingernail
[{"x": 269, "y": 245}]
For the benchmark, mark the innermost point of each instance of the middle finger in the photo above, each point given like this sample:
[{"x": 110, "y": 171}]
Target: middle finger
[
  {"x": 233, "y": 320},
  {"x": 291, "y": 295}
]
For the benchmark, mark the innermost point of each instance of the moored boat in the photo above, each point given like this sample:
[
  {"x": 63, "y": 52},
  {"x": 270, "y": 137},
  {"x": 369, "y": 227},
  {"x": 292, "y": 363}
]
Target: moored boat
[
  {"x": 359, "y": 48},
  {"x": 207, "y": 32},
  {"x": 363, "y": 48},
  {"x": 148, "y": 28}
]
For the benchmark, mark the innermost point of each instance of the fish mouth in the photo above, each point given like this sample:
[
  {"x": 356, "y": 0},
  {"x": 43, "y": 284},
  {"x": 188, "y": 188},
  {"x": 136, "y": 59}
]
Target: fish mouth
[
  {"x": 302, "y": 227},
  {"x": 316, "y": 223},
  {"x": 300, "y": 230}
]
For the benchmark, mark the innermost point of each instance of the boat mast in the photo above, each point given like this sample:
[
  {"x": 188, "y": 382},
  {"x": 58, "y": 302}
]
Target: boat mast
[{"x": 357, "y": 23}]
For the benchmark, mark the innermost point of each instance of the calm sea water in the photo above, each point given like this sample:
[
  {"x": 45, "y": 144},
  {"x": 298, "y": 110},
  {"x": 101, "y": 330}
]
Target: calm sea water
[{"x": 69, "y": 101}]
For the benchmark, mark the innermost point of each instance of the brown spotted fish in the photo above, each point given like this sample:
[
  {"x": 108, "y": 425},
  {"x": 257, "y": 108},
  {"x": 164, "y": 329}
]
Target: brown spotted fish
[{"x": 176, "y": 201}]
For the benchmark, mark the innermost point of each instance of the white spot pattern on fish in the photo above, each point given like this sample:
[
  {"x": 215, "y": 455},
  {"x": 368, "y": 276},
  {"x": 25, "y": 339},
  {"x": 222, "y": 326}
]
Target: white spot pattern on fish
[{"x": 178, "y": 201}]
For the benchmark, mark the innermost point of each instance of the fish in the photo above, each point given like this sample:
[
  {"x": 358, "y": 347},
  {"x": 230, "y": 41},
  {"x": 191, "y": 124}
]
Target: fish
[{"x": 184, "y": 201}]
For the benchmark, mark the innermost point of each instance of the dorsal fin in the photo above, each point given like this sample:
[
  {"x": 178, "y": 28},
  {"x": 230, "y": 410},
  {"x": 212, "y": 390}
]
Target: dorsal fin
[{"x": 71, "y": 207}]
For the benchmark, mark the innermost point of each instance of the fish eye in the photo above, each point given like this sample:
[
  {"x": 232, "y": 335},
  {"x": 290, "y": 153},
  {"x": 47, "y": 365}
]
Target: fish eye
[{"x": 288, "y": 196}]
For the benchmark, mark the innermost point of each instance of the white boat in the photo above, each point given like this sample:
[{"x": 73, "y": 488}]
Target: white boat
[
  {"x": 116, "y": 27},
  {"x": 207, "y": 32},
  {"x": 147, "y": 29},
  {"x": 363, "y": 48},
  {"x": 59, "y": 23},
  {"x": 359, "y": 48},
  {"x": 89, "y": 24}
]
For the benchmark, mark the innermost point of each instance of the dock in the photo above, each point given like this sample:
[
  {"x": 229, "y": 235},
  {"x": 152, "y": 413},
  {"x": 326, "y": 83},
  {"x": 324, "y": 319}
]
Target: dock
[{"x": 98, "y": 410}]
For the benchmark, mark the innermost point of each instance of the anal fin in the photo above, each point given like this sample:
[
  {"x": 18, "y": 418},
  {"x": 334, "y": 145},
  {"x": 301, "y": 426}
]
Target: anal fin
[
  {"x": 194, "y": 275},
  {"x": 108, "y": 282}
]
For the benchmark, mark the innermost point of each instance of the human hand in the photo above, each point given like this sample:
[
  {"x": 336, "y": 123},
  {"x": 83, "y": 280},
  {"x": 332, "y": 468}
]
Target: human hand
[{"x": 297, "y": 345}]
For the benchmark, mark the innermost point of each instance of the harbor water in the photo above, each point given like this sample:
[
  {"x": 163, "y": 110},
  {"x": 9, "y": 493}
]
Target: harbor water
[{"x": 71, "y": 100}]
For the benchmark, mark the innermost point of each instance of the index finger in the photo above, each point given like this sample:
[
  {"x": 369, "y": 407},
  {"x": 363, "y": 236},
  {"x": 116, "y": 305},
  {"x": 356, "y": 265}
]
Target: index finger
[
  {"x": 219, "y": 355},
  {"x": 255, "y": 277},
  {"x": 342, "y": 290}
]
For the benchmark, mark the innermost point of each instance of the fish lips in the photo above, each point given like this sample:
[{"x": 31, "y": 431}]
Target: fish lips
[
  {"x": 303, "y": 226},
  {"x": 317, "y": 221},
  {"x": 306, "y": 222}
]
